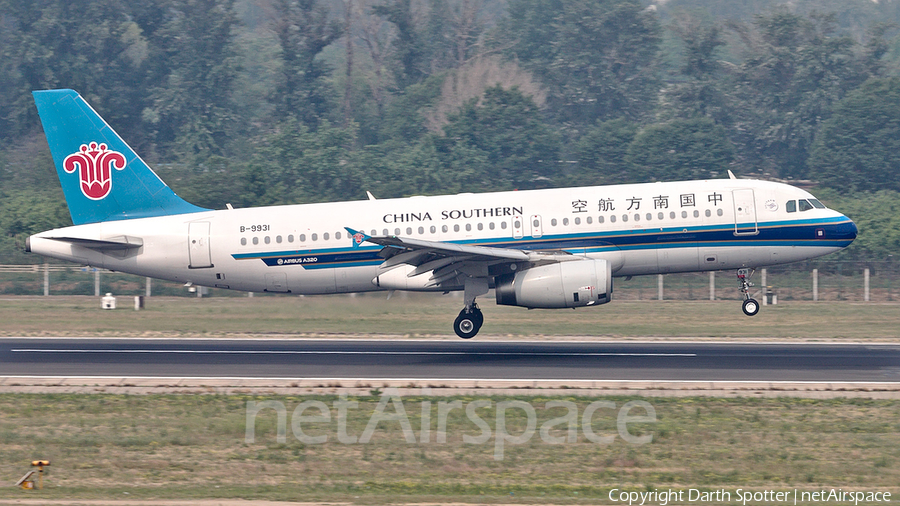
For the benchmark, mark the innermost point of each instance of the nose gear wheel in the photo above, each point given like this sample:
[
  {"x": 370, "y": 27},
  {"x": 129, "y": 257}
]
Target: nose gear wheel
[{"x": 750, "y": 306}]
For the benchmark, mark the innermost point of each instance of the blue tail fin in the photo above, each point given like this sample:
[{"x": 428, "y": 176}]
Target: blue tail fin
[{"x": 102, "y": 177}]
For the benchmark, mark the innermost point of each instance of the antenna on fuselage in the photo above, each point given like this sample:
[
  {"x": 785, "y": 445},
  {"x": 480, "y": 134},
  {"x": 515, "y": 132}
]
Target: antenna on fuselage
[
  {"x": 731, "y": 174},
  {"x": 369, "y": 194}
]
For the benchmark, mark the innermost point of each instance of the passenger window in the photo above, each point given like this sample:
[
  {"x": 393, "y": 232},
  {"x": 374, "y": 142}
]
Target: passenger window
[
  {"x": 374, "y": 233},
  {"x": 491, "y": 225},
  {"x": 278, "y": 239},
  {"x": 315, "y": 237},
  {"x": 243, "y": 241},
  {"x": 672, "y": 215},
  {"x": 624, "y": 217},
  {"x": 791, "y": 206},
  {"x": 708, "y": 213},
  {"x": 565, "y": 221},
  {"x": 684, "y": 214},
  {"x": 421, "y": 230},
  {"x": 649, "y": 216},
  {"x": 385, "y": 232},
  {"x": 408, "y": 230},
  {"x": 696, "y": 213},
  {"x": 302, "y": 237},
  {"x": 337, "y": 235},
  {"x": 433, "y": 229},
  {"x": 268, "y": 240},
  {"x": 325, "y": 236},
  {"x": 589, "y": 220},
  {"x": 481, "y": 226},
  {"x": 637, "y": 217},
  {"x": 553, "y": 222},
  {"x": 255, "y": 241},
  {"x": 444, "y": 229},
  {"x": 577, "y": 221},
  {"x": 468, "y": 227},
  {"x": 661, "y": 216},
  {"x": 456, "y": 228},
  {"x": 503, "y": 225},
  {"x": 804, "y": 205},
  {"x": 612, "y": 219},
  {"x": 600, "y": 219},
  {"x": 291, "y": 238},
  {"x": 719, "y": 212}
]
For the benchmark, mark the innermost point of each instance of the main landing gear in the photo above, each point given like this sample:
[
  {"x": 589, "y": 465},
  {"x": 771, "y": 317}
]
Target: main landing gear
[
  {"x": 750, "y": 305},
  {"x": 469, "y": 322},
  {"x": 470, "y": 319}
]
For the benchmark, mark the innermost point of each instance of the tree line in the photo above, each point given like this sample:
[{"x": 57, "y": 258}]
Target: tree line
[{"x": 256, "y": 102}]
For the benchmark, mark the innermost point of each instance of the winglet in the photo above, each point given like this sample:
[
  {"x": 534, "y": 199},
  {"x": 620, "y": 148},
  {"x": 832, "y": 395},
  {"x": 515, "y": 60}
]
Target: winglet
[{"x": 357, "y": 237}]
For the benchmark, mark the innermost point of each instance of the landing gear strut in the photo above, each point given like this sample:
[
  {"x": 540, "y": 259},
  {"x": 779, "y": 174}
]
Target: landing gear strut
[
  {"x": 750, "y": 305},
  {"x": 470, "y": 319}
]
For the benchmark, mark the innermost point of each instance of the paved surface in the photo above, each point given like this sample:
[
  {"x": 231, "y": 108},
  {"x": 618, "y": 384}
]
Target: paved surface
[{"x": 449, "y": 360}]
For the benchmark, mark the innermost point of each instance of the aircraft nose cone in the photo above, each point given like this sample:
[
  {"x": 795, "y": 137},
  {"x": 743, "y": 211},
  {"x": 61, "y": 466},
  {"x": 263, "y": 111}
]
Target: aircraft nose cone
[{"x": 848, "y": 230}]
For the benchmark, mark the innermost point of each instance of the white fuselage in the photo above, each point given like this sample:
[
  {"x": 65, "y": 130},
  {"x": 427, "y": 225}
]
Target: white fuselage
[{"x": 304, "y": 249}]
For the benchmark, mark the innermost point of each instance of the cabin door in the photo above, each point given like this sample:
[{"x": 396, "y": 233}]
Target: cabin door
[
  {"x": 744, "y": 212},
  {"x": 198, "y": 245}
]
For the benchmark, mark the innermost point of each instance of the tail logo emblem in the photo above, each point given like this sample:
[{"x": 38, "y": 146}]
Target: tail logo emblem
[{"x": 94, "y": 164}]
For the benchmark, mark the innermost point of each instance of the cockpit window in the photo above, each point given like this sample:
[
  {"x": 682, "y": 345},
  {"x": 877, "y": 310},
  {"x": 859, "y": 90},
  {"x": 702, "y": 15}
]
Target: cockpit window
[
  {"x": 791, "y": 206},
  {"x": 817, "y": 204},
  {"x": 804, "y": 205}
]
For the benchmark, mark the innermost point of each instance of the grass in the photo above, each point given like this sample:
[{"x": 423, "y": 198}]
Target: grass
[
  {"x": 432, "y": 315},
  {"x": 193, "y": 446}
]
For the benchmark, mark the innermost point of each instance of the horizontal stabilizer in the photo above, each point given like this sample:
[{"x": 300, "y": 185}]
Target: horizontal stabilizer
[{"x": 122, "y": 242}]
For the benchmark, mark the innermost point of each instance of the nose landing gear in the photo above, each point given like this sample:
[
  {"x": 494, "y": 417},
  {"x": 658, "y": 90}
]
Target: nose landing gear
[{"x": 750, "y": 305}]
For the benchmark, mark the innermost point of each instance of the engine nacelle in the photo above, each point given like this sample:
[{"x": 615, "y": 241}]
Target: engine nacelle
[{"x": 575, "y": 283}]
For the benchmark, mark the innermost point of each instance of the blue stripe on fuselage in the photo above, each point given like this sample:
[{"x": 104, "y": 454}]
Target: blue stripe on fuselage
[{"x": 835, "y": 232}]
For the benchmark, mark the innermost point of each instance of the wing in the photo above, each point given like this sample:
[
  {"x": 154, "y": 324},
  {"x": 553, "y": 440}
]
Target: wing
[{"x": 450, "y": 261}]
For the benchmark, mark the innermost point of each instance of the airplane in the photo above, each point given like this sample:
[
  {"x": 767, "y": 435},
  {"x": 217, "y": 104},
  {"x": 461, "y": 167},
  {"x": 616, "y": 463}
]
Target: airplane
[{"x": 548, "y": 248}]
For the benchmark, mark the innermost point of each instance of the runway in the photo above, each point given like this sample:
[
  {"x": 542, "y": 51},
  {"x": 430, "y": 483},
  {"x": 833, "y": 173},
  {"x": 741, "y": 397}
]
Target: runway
[{"x": 390, "y": 359}]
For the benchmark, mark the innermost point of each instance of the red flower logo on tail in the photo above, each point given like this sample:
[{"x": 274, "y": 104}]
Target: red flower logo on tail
[{"x": 94, "y": 164}]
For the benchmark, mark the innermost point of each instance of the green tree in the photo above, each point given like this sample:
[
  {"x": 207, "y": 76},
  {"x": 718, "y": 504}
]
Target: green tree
[
  {"x": 698, "y": 90},
  {"x": 597, "y": 57},
  {"x": 304, "y": 31},
  {"x": 679, "y": 150},
  {"x": 408, "y": 45},
  {"x": 195, "y": 60},
  {"x": 601, "y": 153},
  {"x": 796, "y": 69},
  {"x": 93, "y": 46},
  {"x": 858, "y": 148},
  {"x": 299, "y": 165},
  {"x": 504, "y": 129}
]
